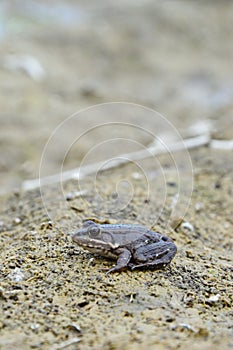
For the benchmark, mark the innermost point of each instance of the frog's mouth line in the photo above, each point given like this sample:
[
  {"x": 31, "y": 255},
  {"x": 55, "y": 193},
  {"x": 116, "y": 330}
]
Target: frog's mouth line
[{"x": 96, "y": 244}]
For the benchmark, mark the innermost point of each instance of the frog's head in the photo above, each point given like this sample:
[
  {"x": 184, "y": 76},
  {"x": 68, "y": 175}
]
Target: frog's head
[
  {"x": 94, "y": 237},
  {"x": 90, "y": 230}
]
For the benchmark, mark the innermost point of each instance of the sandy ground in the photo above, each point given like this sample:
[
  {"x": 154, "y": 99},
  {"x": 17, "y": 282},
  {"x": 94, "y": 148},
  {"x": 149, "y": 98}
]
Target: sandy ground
[
  {"x": 174, "y": 57},
  {"x": 52, "y": 291}
]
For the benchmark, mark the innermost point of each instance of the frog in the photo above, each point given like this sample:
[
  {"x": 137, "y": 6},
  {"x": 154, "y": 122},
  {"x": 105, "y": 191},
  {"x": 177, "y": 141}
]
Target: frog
[{"x": 133, "y": 246}]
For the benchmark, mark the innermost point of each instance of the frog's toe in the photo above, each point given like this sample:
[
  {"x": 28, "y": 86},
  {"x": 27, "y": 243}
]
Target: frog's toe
[
  {"x": 132, "y": 266},
  {"x": 104, "y": 269},
  {"x": 115, "y": 269}
]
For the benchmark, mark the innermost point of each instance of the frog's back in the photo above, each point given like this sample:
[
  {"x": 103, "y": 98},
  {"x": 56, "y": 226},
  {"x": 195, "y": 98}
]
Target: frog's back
[{"x": 123, "y": 233}]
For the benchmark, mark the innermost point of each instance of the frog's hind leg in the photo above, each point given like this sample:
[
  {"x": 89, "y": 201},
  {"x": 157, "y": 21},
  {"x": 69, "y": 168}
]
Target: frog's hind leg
[
  {"x": 162, "y": 259},
  {"x": 157, "y": 265}
]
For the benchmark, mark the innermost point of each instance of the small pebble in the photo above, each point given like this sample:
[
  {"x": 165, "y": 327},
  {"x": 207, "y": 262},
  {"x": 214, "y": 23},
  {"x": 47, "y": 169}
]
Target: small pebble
[
  {"x": 214, "y": 298},
  {"x": 199, "y": 206},
  {"x": 46, "y": 225},
  {"x": 16, "y": 221},
  {"x": 136, "y": 176},
  {"x": 16, "y": 275},
  {"x": 34, "y": 326},
  {"x": 91, "y": 262},
  {"x": 72, "y": 195},
  {"x": 187, "y": 226},
  {"x": 76, "y": 327}
]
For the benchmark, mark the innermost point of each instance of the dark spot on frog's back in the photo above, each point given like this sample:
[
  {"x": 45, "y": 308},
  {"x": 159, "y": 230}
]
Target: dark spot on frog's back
[
  {"x": 164, "y": 238},
  {"x": 133, "y": 246}
]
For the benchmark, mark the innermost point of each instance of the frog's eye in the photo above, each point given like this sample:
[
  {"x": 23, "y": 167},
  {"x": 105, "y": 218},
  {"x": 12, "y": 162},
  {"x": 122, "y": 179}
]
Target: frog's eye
[
  {"x": 94, "y": 231},
  {"x": 88, "y": 223},
  {"x": 164, "y": 238}
]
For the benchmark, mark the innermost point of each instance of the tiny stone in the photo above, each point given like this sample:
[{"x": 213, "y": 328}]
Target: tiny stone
[
  {"x": 91, "y": 262},
  {"x": 225, "y": 225},
  {"x": 189, "y": 254},
  {"x": 72, "y": 195},
  {"x": 186, "y": 326},
  {"x": 198, "y": 206},
  {"x": 75, "y": 327},
  {"x": 16, "y": 275},
  {"x": 16, "y": 221},
  {"x": 171, "y": 183},
  {"x": 188, "y": 226},
  {"x": 136, "y": 176},
  {"x": 114, "y": 195},
  {"x": 214, "y": 298},
  {"x": 46, "y": 225},
  {"x": 34, "y": 326}
]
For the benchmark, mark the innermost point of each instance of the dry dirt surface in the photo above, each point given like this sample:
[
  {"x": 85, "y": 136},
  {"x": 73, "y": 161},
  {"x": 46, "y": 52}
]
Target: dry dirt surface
[{"x": 55, "y": 295}]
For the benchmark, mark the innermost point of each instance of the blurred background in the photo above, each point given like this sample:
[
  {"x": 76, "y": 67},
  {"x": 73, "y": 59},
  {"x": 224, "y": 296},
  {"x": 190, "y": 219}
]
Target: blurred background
[{"x": 57, "y": 57}]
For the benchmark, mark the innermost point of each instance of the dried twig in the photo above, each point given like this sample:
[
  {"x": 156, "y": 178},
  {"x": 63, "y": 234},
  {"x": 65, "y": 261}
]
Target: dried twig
[
  {"x": 222, "y": 144},
  {"x": 66, "y": 343},
  {"x": 81, "y": 172}
]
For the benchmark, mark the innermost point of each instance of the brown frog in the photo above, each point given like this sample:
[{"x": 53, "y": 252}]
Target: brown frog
[{"x": 133, "y": 246}]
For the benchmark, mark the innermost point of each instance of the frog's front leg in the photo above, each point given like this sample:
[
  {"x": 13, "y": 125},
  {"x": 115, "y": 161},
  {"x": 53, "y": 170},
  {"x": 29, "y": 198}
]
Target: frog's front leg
[{"x": 122, "y": 261}]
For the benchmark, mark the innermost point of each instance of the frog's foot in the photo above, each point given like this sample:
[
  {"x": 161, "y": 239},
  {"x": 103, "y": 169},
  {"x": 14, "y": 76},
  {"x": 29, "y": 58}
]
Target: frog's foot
[
  {"x": 112, "y": 269},
  {"x": 115, "y": 269},
  {"x": 122, "y": 261},
  {"x": 157, "y": 265},
  {"x": 104, "y": 269}
]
